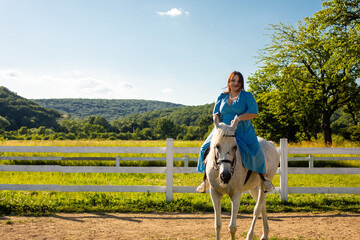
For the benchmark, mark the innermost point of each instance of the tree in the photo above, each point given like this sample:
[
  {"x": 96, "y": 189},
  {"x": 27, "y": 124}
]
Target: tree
[
  {"x": 205, "y": 122},
  {"x": 41, "y": 130},
  {"x": 100, "y": 120},
  {"x": 276, "y": 119},
  {"x": 70, "y": 125},
  {"x": 309, "y": 73},
  {"x": 23, "y": 131},
  {"x": 166, "y": 128},
  {"x": 4, "y": 123}
]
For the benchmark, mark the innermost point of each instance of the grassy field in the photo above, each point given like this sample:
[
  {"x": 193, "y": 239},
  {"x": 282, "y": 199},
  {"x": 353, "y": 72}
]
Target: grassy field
[{"x": 47, "y": 202}]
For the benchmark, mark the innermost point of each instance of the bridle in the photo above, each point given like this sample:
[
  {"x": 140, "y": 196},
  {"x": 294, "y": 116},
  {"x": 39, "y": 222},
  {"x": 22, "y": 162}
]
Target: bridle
[{"x": 233, "y": 162}]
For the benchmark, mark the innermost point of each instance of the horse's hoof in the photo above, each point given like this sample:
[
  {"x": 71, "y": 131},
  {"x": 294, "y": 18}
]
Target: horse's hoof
[{"x": 263, "y": 237}]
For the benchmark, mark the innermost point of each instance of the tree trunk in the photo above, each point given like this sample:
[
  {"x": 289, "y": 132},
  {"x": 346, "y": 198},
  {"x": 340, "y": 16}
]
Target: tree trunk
[
  {"x": 325, "y": 125},
  {"x": 354, "y": 118}
]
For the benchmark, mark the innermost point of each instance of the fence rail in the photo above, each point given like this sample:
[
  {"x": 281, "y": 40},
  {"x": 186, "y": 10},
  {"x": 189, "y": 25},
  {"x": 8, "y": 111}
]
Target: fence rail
[{"x": 169, "y": 170}]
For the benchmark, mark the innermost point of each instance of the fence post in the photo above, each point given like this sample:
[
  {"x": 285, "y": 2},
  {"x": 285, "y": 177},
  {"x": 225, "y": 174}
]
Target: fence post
[
  {"x": 169, "y": 169},
  {"x": 283, "y": 169},
  {"x": 311, "y": 161},
  {"x": 118, "y": 161},
  {"x": 186, "y": 161}
]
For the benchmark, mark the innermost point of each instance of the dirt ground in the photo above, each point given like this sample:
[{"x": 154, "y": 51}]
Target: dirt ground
[{"x": 175, "y": 226}]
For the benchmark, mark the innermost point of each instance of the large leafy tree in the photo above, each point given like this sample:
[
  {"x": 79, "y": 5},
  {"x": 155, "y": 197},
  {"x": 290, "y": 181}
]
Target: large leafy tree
[
  {"x": 341, "y": 20},
  {"x": 281, "y": 114},
  {"x": 305, "y": 77}
]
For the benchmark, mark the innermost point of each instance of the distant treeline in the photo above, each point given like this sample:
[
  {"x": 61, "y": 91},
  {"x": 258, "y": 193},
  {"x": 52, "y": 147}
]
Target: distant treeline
[
  {"x": 159, "y": 124},
  {"x": 21, "y": 118},
  {"x": 111, "y": 109}
]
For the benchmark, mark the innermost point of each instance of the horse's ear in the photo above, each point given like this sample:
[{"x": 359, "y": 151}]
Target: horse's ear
[
  {"x": 235, "y": 122},
  {"x": 216, "y": 121}
]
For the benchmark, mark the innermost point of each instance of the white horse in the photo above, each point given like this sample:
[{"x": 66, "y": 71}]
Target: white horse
[{"x": 227, "y": 174}]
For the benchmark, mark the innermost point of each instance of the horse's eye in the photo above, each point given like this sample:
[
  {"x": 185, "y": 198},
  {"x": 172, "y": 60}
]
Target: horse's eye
[
  {"x": 217, "y": 147},
  {"x": 235, "y": 148}
]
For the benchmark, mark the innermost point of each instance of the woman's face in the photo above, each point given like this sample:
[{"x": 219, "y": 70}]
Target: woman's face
[{"x": 235, "y": 84}]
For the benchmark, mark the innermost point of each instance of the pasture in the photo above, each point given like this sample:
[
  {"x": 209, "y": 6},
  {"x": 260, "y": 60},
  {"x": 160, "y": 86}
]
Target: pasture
[
  {"x": 111, "y": 206},
  {"x": 47, "y": 202}
]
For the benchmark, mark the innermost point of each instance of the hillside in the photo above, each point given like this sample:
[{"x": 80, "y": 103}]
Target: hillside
[
  {"x": 19, "y": 112},
  {"x": 110, "y": 109},
  {"x": 189, "y": 115},
  {"x": 187, "y": 123}
]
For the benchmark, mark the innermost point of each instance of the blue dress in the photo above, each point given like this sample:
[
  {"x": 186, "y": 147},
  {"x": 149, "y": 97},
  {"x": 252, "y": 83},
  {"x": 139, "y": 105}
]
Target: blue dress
[{"x": 251, "y": 153}]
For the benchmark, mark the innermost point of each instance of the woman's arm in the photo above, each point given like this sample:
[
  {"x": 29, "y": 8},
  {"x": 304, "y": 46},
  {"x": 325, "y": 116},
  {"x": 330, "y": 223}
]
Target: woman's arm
[{"x": 247, "y": 116}]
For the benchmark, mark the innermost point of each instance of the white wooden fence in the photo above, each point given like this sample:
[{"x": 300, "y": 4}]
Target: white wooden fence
[
  {"x": 284, "y": 170},
  {"x": 169, "y": 170}
]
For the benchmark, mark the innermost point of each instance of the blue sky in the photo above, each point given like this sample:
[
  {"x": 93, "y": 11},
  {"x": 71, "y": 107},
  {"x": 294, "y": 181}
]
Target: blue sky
[{"x": 175, "y": 51}]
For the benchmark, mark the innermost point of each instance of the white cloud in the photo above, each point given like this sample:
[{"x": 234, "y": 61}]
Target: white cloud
[
  {"x": 88, "y": 83},
  {"x": 174, "y": 12},
  {"x": 8, "y": 74},
  {"x": 167, "y": 90},
  {"x": 74, "y": 84},
  {"x": 92, "y": 87},
  {"x": 125, "y": 86}
]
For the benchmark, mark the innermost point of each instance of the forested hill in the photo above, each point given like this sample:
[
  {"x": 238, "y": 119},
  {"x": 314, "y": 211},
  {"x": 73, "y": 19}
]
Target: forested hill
[
  {"x": 110, "y": 109},
  {"x": 16, "y": 112},
  {"x": 187, "y": 123},
  {"x": 189, "y": 115}
]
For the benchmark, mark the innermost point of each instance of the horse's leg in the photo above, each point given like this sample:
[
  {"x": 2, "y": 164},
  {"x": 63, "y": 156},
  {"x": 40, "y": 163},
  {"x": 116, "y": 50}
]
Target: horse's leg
[
  {"x": 235, "y": 204},
  {"x": 216, "y": 199},
  {"x": 257, "y": 209},
  {"x": 266, "y": 228},
  {"x": 254, "y": 194}
]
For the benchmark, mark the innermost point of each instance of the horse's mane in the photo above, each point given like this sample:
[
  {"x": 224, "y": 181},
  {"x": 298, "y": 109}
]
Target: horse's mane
[{"x": 223, "y": 130}]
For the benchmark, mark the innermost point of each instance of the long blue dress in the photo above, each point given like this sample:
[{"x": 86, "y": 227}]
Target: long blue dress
[{"x": 251, "y": 153}]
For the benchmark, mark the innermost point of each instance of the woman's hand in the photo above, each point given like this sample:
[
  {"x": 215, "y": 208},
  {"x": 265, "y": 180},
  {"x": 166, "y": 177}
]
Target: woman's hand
[
  {"x": 235, "y": 118},
  {"x": 216, "y": 116}
]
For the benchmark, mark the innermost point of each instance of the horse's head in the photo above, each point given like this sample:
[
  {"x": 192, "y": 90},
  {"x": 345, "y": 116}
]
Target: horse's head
[{"x": 225, "y": 148}]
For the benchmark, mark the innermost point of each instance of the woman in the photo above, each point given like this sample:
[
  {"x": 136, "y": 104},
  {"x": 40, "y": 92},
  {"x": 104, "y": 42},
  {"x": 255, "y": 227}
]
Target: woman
[{"x": 236, "y": 101}]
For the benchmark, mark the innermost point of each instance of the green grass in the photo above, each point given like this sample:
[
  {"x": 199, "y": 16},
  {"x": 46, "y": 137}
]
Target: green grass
[
  {"x": 49, "y": 202},
  {"x": 45, "y": 202},
  {"x": 294, "y": 180}
]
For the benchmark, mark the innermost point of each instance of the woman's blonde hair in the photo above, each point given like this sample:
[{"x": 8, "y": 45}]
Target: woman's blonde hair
[{"x": 241, "y": 78}]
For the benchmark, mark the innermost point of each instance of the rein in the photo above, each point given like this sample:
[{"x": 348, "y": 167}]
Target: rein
[
  {"x": 233, "y": 163},
  {"x": 226, "y": 135},
  {"x": 224, "y": 161}
]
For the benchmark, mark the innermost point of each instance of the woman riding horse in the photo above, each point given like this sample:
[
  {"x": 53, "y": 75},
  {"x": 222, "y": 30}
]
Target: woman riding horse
[{"x": 235, "y": 101}]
